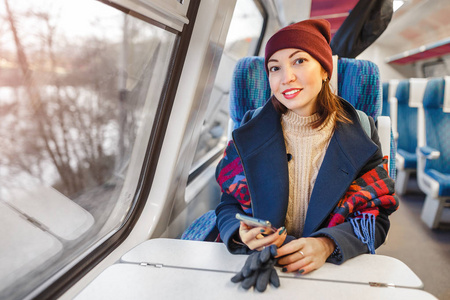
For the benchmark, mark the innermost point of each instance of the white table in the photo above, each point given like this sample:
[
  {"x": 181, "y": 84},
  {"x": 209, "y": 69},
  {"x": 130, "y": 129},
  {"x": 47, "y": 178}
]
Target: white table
[
  {"x": 176, "y": 269},
  {"x": 128, "y": 281},
  {"x": 365, "y": 268}
]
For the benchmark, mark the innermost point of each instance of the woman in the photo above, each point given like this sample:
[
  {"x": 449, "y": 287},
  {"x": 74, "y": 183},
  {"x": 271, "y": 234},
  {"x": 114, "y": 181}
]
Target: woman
[{"x": 304, "y": 163}]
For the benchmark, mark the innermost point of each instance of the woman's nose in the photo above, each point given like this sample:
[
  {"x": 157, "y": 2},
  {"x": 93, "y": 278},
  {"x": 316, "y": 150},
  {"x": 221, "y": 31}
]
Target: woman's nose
[{"x": 289, "y": 76}]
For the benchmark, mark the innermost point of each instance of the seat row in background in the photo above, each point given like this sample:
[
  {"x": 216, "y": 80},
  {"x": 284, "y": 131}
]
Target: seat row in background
[{"x": 420, "y": 112}]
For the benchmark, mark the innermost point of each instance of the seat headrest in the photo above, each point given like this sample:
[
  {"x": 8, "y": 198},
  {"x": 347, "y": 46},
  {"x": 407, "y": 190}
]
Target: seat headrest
[
  {"x": 359, "y": 84},
  {"x": 402, "y": 93},
  {"x": 434, "y": 93},
  {"x": 250, "y": 87},
  {"x": 416, "y": 91}
]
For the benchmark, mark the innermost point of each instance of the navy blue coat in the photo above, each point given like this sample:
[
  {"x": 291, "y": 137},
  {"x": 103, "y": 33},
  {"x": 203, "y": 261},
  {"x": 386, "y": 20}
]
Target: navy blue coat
[{"x": 261, "y": 146}]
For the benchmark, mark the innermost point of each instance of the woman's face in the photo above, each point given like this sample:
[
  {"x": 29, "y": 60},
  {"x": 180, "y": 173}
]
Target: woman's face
[{"x": 295, "y": 78}]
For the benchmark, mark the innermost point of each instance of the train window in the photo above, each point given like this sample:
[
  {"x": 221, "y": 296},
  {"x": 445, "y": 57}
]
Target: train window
[
  {"x": 243, "y": 38},
  {"x": 80, "y": 82}
]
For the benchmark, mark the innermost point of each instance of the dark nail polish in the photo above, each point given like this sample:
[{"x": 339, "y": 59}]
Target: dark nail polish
[
  {"x": 284, "y": 270},
  {"x": 262, "y": 230},
  {"x": 301, "y": 271},
  {"x": 282, "y": 231}
]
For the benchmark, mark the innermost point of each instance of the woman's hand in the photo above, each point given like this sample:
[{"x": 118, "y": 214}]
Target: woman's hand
[
  {"x": 305, "y": 254},
  {"x": 259, "y": 237}
]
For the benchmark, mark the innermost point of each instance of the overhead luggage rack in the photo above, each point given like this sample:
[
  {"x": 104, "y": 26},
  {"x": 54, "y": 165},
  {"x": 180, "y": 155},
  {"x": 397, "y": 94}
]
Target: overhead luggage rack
[{"x": 439, "y": 48}]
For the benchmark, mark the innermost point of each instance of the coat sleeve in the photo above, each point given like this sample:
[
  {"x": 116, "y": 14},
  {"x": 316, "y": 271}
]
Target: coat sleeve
[
  {"x": 227, "y": 173},
  {"x": 347, "y": 243}
]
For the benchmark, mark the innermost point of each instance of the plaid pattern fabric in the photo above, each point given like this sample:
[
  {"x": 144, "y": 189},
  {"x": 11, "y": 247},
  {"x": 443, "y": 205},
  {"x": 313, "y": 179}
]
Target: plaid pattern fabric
[
  {"x": 362, "y": 201},
  {"x": 366, "y": 194},
  {"x": 250, "y": 88}
]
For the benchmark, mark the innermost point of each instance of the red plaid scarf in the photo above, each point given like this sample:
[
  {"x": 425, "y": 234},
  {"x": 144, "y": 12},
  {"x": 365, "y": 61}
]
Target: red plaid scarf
[{"x": 362, "y": 202}]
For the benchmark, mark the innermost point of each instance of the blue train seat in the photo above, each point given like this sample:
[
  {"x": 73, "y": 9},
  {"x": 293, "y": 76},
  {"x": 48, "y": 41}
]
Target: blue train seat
[
  {"x": 434, "y": 158},
  {"x": 385, "y": 111},
  {"x": 409, "y": 97},
  {"x": 249, "y": 89},
  {"x": 407, "y": 137},
  {"x": 358, "y": 82}
]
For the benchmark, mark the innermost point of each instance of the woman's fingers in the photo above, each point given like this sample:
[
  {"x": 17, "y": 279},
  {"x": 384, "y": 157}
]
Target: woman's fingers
[
  {"x": 296, "y": 262},
  {"x": 281, "y": 236},
  {"x": 303, "y": 255},
  {"x": 291, "y": 247},
  {"x": 250, "y": 233},
  {"x": 292, "y": 258},
  {"x": 300, "y": 267},
  {"x": 257, "y": 238}
]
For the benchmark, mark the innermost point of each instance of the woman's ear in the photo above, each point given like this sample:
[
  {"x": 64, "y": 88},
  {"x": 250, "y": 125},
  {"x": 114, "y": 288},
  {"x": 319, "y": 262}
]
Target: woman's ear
[{"x": 324, "y": 75}]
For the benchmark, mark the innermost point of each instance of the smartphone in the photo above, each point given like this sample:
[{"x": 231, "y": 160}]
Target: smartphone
[{"x": 254, "y": 222}]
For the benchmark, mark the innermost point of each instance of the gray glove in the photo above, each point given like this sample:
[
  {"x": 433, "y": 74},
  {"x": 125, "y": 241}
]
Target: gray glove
[{"x": 259, "y": 270}]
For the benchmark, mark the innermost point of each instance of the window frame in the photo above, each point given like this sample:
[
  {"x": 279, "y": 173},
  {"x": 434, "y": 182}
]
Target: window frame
[
  {"x": 171, "y": 13},
  {"x": 210, "y": 157},
  {"x": 265, "y": 15}
]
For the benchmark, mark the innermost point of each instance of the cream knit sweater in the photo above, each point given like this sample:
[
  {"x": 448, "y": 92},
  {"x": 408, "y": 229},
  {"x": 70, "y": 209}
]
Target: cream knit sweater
[{"x": 307, "y": 147}]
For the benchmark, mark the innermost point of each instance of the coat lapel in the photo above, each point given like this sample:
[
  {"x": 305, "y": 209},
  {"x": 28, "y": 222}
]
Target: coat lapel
[
  {"x": 341, "y": 165},
  {"x": 260, "y": 144}
]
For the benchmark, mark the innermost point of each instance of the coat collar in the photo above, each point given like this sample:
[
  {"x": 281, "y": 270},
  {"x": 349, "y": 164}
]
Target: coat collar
[{"x": 260, "y": 144}]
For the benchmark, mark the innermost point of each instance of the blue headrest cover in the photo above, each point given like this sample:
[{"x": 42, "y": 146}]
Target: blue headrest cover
[
  {"x": 402, "y": 93},
  {"x": 250, "y": 88},
  {"x": 434, "y": 93}
]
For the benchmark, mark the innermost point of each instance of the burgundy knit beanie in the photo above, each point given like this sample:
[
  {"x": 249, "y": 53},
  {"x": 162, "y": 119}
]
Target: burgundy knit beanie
[{"x": 312, "y": 36}]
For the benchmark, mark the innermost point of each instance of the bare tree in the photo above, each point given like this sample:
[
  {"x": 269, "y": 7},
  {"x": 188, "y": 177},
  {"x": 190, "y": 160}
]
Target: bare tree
[{"x": 66, "y": 117}]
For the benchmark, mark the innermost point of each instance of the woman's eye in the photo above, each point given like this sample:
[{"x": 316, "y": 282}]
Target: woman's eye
[
  {"x": 299, "y": 61},
  {"x": 273, "y": 69}
]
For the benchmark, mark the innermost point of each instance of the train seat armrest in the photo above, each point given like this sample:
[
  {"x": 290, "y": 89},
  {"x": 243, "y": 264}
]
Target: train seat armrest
[{"x": 429, "y": 152}]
